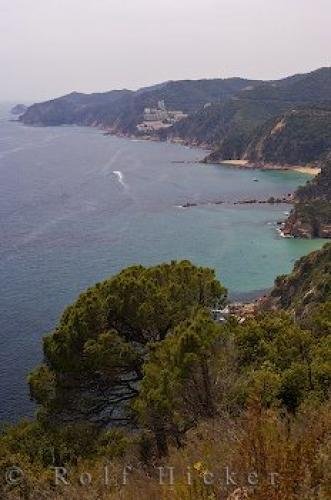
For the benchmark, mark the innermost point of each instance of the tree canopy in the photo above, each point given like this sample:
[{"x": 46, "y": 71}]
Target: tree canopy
[{"x": 94, "y": 356}]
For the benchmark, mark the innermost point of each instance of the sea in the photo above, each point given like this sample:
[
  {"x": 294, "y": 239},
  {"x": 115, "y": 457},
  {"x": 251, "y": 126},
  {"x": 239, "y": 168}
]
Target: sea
[{"x": 77, "y": 206}]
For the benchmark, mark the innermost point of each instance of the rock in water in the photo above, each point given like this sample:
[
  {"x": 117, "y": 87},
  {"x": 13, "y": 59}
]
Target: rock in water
[{"x": 19, "y": 109}]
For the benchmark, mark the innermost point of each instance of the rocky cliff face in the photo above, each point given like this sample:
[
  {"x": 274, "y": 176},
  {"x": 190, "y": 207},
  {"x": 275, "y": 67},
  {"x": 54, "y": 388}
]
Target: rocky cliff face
[
  {"x": 282, "y": 122},
  {"x": 286, "y": 122},
  {"x": 297, "y": 228},
  {"x": 297, "y": 137},
  {"x": 232, "y": 116},
  {"x": 311, "y": 216}
]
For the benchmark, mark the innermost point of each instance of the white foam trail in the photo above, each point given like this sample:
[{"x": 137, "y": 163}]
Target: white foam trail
[{"x": 120, "y": 177}]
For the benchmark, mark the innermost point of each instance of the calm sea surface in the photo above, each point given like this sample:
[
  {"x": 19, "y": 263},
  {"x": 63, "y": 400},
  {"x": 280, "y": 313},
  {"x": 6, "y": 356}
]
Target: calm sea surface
[{"x": 76, "y": 207}]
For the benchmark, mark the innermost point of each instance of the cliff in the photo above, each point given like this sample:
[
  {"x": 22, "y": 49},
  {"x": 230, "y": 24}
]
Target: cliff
[
  {"x": 226, "y": 127},
  {"x": 311, "y": 216},
  {"x": 232, "y": 116},
  {"x": 247, "y": 125},
  {"x": 299, "y": 136},
  {"x": 309, "y": 220},
  {"x": 284, "y": 122}
]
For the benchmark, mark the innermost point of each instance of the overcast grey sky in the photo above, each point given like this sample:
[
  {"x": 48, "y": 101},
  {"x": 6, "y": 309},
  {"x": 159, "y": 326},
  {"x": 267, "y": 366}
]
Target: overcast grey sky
[{"x": 51, "y": 47}]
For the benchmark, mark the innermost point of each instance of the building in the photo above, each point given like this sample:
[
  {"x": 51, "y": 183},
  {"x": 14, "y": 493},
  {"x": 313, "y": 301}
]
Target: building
[
  {"x": 220, "y": 315},
  {"x": 158, "y": 118}
]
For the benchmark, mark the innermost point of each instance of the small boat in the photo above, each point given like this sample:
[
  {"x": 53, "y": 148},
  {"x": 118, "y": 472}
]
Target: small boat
[{"x": 256, "y": 180}]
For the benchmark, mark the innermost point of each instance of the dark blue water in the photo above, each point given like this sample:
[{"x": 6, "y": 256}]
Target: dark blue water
[{"x": 76, "y": 207}]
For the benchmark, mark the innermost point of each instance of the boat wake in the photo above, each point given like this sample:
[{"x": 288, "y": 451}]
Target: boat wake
[{"x": 120, "y": 177}]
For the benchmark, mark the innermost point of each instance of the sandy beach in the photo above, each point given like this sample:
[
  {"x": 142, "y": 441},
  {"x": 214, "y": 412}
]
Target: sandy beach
[
  {"x": 308, "y": 170},
  {"x": 236, "y": 163},
  {"x": 304, "y": 169}
]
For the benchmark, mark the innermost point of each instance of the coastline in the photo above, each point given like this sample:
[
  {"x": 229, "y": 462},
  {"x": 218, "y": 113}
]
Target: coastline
[
  {"x": 308, "y": 170},
  {"x": 304, "y": 169},
  {"x": 239, "y": 163}
]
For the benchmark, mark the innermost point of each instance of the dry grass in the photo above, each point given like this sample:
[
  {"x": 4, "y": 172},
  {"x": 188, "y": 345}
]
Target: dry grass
[{"x": 251, "y": 448}]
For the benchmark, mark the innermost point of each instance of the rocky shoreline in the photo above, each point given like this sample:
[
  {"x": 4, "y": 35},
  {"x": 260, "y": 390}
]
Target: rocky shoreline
[
  {"x": 288, "y": 200},
  {"x": 241, "y": 163},
  {"x": 238, "y": 163},
  {"x": 293, "y": 227}
]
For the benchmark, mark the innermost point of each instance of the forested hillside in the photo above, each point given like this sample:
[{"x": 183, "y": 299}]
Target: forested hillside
[
  {"x": 239, "y": 127},
  {"x": 249, "y": 399},
  {"x": 232, "y": 116},
  {"x": 122, "y": 110},
  {"x": 307, "y": 287},
  {"x": 299, "y": 136},
  {"x": 311, "y": 216}
]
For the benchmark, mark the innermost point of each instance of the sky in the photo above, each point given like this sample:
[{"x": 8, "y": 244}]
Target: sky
[{"x": 52, "y": 47}]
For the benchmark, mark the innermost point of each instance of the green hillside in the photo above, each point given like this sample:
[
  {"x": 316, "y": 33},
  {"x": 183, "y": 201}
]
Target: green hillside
[
  {"x": 122, "y": 110},
  {"x": 299, "y": 136},
  {"x": 311, "y": 216},
  {"x": 211, "y": 398},
  {"x": 307, "y": 287},
  {"x": 226, "y": 115},
  {"x": 239, "y": 124}
]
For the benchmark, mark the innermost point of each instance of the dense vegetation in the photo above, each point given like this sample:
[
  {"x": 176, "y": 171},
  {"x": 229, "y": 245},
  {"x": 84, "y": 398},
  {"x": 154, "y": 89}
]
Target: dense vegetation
[
  {"x": 95, "y": 355},
  {"x": 307, "y": 287},
  {"x": 240, "y": 126},
  {"x": 122, "y": 110},
  {"x": 300, "y": 136},
  {"x": 137, "y": 373},
  {"x": 320, "y": 187},
  {"x": 227, "y": 127},
  {"x": 249, "y": 399},
  {"x": 231, "y": 116},
  {"x": 311, "y": 216}
]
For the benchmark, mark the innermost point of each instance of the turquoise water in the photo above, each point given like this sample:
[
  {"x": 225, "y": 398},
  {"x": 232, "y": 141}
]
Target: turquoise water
[{"x": 76, "y": 207}]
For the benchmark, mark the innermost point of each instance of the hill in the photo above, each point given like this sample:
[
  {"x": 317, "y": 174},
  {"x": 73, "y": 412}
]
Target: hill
[
  {"x": 242, "y": 400},
  {"x": 303, "y": 88},
  {"x": 122, "y": 110},
  {"x": 231, "y": 116},
  {"x": 299, "y": 136},
  {"x": 284, "y": 122},
  {"x": 248, "y": 118},
  {"x": 311, "y": 215},
  {"x": 227, "y": 126},
  {"x": 308, "y": 286}
]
